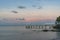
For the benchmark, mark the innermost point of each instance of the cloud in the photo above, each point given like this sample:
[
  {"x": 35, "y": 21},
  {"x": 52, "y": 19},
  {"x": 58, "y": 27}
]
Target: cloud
[
  {"x": 21, "y": 7},
  {"x": 20, "y": 18},
  {"x": 14, "y": 11},
  {"x": 4, "y": 19},
  {"x": 39, "y": 7}
]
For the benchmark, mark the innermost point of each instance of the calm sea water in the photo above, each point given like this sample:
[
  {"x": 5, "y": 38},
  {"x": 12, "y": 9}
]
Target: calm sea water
[{"x": 20, "y": 33}]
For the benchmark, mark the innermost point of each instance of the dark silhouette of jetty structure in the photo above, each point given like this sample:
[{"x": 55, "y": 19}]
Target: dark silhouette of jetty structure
[{"x": 41, "y": 27}]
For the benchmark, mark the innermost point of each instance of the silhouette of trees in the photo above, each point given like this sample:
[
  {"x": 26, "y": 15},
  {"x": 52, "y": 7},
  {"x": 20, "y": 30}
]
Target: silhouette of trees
[
  {"x": 57, "y": 23},
  {"x": 57, "y": 20}
]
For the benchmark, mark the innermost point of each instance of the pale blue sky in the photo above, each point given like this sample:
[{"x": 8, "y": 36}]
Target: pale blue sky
[
  {"x": 36, "y": 10},
  {"x": 28, "y": 3}
]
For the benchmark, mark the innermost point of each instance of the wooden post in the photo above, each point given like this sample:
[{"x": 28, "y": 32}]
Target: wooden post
[
  {"x": 45, "y": 27},
  {"x": 42, "y": 27},
  {"x": 39, "y": 27},
  {"x": 30, "y": 27}
]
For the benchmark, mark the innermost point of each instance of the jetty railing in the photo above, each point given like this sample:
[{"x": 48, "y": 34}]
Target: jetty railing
[{"x": 40, "y": 27}]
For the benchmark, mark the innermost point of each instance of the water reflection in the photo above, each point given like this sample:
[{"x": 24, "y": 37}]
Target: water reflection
[{"x": 57, "y": 36}]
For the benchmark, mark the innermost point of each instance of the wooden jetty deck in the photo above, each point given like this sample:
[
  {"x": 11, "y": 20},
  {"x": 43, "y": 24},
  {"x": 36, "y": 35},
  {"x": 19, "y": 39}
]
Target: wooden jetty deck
[{"x": 41, "y": 27}]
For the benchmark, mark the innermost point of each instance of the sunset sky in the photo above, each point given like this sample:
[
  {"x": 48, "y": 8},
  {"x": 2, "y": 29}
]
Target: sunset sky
[{"x": 24, "y": 11}]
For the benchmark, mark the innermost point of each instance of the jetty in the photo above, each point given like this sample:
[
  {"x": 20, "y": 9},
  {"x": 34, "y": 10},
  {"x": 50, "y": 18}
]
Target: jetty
[{"x": 41, "y": 27}]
